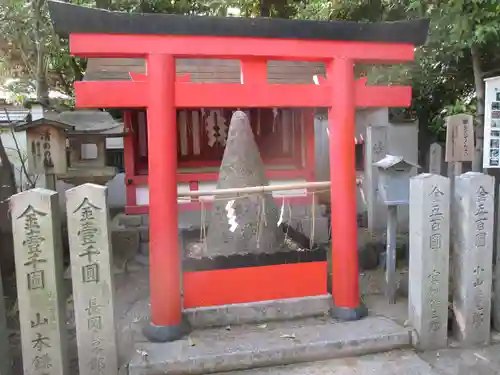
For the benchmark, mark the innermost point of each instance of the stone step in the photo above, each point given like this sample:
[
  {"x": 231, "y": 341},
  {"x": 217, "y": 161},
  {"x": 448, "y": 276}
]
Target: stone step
[
  {"x": 273, "y": 344},
  {"x": 398, "y": 362}
]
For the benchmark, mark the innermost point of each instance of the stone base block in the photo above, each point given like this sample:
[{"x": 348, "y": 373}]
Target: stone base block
[
  {"x": 259, "y": 312},
  {"x": 217, "y": 350}
]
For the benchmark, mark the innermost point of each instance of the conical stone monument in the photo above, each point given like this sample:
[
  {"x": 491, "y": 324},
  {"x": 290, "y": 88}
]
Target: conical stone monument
[{"x": 248, "y": 224}]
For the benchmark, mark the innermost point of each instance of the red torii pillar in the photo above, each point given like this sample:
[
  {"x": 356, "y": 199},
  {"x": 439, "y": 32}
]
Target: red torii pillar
[{"x": 165, "y": 272}]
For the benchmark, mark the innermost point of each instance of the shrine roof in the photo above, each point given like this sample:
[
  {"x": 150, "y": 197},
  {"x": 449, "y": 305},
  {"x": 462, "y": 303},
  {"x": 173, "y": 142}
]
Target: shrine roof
[
  {"x": 69, "y": 18},
  {"x": 83, "y": 122}
]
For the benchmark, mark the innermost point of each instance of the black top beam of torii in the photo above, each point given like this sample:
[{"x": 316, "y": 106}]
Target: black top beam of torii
[{"x": 69, "y": 18}]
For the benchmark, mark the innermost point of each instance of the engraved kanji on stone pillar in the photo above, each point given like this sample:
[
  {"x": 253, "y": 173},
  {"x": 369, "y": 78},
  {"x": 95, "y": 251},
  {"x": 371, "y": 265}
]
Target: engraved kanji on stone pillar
[
  {"x": 39, "y": 273},
  {"x": 429, "y": 259},
  {"x": 472, "y": 257},
  {"x": 91, "y": 259}
]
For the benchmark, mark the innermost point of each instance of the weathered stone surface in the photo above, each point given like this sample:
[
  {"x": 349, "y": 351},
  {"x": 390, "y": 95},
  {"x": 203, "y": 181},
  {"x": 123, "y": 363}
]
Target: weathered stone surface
[
  {"x": 404, "y": 362},
  {"x": 91, "y": 263},
  {"x": 259, "y": 312},
  {"x": 130, "y": 220},
  {"x": 376, "y": 149},
  {"x": 125, "y": 246},
  {"x": 429, "y": 259},
  {"x": 472, "y": 257},
  {"x": 144, "y": 234},
  {"x": 277, "y": 343},
  {"x": 435, "y": 158},
  {"x": 38, "y": 256},
  {"x": 248, "y": 224}
]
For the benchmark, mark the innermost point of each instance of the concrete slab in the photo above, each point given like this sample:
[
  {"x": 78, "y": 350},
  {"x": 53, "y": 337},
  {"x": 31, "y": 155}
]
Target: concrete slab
[
  {"x": 273, "y": 344},
  {"x": 404, "y": 362}
]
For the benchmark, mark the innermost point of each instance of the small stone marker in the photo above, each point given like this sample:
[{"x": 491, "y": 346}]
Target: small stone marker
[
  {"x": 472, "y": 257},
  {"x": 435, "y": 158},
  {"x": 376, "y": 149},
  {"x": 91, "y": 260},
  {"x": 39, "y": 273},
  {"x": 429, "y": 259}
]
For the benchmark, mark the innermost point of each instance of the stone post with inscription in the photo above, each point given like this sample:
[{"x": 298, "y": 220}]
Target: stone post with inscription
[
  {"x": 376, "y": 149},
  {"x": 472, "y": 257},
  {"x": 39, "y": 273},
  {"x": 435, "y": 158},
  {"x": 91, "y": 260},
  {"x": 429, "y": 259}
]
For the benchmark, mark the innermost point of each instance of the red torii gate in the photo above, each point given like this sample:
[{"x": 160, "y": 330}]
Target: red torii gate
[{"x": 160, "y": 39}]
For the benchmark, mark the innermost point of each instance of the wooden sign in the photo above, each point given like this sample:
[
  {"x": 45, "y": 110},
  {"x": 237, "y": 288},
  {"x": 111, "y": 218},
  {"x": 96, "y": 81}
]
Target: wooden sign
[
  {"x": 46, "y": 149},
  {"x": 459, "y": 138}
]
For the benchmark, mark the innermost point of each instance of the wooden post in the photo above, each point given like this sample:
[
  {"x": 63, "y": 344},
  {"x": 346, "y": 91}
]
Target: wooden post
[{"x": 390, "y": 259}]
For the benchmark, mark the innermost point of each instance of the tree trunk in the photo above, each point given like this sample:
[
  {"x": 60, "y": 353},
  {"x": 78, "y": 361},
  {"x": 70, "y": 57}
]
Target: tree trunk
[
  {"x": 7, "y": 189},
  {"x": 42, "y": 89},
  {"x": 477, "y": 164},
  {"x": 265, "y": 8}
]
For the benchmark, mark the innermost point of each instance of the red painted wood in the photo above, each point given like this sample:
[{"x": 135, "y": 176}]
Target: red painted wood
[
  {"x": 128, "y": 159},
  {"x": 165, "y": 273},
  {"x": 254, "y": 70},
  {"x": 254, "y": 284},
  {"x": 194, "y": 186},
  {"x": 161, "y": 95},
  {"x": 107, "y": 45},
  {"x": 114, "y": 94},
  {"x": 341, "y": 123}
]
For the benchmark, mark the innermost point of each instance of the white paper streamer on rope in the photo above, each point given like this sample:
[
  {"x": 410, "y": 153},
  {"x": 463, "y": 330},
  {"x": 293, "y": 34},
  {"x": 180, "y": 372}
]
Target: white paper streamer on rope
[
  {"x": 282, "y": 212},
  {"x": 216, "y": 134},
  {"x": 222, "y": 128},
  {"x": 210, "y": 128},
  {"x": 231, "y": 216},
  {"x": 275, "y": 118},
  {"x": 285, "y": 126},
  {"x": 183, "y": 132},
  {"x": 196, "y": 131}
]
